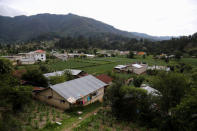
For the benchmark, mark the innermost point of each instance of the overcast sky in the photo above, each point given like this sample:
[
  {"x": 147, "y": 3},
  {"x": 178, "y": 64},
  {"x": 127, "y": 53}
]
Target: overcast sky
[{"x": 154, "y": 17}]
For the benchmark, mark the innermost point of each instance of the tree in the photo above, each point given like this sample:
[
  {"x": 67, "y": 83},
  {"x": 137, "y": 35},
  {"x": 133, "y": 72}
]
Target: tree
[
  {"x": 44, "y": 69},
  {"x": 172, "y": 87},
  {"x": 5, "y": 66},
  {"x": 138, "y": 81},
  {"x": 128, "y": 103},
  {"x": 35, "y": 78},
  {"x": 131, "y": 54},
  {"x": 184, "y": 114},
  {"x": 57, "y": 79},
  {"x": 144, "y": 56},
  {"x": 68, "y": 75},
  {"x": 178, "y": 55}
]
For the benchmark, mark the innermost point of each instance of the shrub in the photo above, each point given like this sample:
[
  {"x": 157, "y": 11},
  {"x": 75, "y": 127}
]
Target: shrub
[
  {"x": 35, "y": 77},
  {"x": 36, "y": 124},
  {"x": 138, "y": 81}
]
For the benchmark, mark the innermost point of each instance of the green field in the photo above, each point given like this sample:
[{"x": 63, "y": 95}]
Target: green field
[{"x": 104, "y": 65}]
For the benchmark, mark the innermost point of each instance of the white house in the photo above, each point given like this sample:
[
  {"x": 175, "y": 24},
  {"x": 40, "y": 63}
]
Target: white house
[
  {"x": 138, "y": 68},
  {"x": 39, "y": 55},
  {"x": 159, "y": 68},
  {"x": 32, "y": 57}
]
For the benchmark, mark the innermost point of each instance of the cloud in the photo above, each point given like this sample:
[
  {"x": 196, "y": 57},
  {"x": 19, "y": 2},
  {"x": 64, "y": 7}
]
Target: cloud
[
  {"x": 155, "y": 17},
  {"x": 9, "y": 11}
]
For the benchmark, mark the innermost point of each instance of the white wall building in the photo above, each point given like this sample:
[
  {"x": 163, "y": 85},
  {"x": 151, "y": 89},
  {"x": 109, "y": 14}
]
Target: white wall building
[{"x": 32, "y": 57}]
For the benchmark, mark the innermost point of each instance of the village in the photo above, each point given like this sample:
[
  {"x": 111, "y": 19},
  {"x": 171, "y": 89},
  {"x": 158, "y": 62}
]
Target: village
[{"x": 76, "y": 80}]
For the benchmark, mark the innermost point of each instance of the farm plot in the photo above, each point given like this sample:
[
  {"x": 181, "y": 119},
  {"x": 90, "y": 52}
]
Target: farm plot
[{"x": 104, "y": 121}]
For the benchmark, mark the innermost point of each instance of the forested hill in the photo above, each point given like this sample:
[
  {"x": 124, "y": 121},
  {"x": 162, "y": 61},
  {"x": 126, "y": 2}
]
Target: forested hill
[
  {"x": 184, "y": 44},
  {"x": 22, "y": 28}
]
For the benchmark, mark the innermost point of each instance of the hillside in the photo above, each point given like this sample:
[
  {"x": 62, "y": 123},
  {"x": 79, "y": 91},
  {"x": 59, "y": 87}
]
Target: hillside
[{"x": 22, "y": 28}]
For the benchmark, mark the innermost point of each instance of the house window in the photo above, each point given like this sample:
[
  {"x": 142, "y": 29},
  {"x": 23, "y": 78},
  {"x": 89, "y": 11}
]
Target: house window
[
  {"x": 62, "y": 101},
  {"x": 49, "y": 97}
]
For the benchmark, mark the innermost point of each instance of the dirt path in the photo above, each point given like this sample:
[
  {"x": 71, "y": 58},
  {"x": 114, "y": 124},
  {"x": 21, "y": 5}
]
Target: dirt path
[{"x": 74, "y": 125}]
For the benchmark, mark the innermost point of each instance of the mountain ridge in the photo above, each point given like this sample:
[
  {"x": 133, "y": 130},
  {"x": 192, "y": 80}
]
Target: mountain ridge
[{"x": 20, "y": 28}]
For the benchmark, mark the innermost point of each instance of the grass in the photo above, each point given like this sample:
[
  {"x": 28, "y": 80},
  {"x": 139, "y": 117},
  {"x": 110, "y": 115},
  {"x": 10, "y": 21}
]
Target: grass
[
  {"x": 104, "y": 65},
  {"x": 191, "y": 61}
]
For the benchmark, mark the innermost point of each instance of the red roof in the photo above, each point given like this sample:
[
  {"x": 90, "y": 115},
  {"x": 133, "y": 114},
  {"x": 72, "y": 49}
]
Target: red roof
[
  {"x": 104, "y": 78},
  {"x": 38, "y": 88},
  {"x": 141, "y": 53},
  {"x": 39, "y": 51}
]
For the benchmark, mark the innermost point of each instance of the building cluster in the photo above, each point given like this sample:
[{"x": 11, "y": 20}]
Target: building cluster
[
  {"x": 137, "y": 68},
  {"x": 27, "y": 58}
]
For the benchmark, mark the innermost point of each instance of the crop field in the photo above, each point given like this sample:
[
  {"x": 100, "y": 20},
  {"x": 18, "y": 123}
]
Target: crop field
[
  {"x": 191, "y": 61},
  {"x": 103, "y": 65},
  {"x": 72, "y": 117},
  {"x": 42, "y": 117},
  {"x": 104, "y": 121}
]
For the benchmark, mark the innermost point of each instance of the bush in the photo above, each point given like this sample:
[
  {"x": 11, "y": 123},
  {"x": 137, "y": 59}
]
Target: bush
[
  {"x": 44, "y": 69},
  {"x": 36, "y": 78},
  {"x": 56, "y": 79},
  {"x": 152, "y": 72},
  {"x": 138, "y": 81},
  {"x": 36, "y": 124}
]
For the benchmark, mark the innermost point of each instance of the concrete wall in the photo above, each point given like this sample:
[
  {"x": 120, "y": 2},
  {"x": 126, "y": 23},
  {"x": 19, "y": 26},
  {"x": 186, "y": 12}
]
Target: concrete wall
[
  {"x": 54, "y": 101},
  {"x": 98, "y": 97},
  {"x": 139, "y": 70},
  {"x": 40, "y": 56}
]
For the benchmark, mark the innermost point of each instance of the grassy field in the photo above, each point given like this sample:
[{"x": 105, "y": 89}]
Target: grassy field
[{"x": 104, "y": 65}]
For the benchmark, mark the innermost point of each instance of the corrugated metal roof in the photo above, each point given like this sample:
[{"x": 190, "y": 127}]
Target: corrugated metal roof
[
  {"x": 120, "y": 66},
  {"x": 137, "y": 65},
  {"x": 74, "y": 72},
  {"x": 59, "y": 73},
  {"x": 78, "y": 88},
  {"x": 150, "y": 90}
]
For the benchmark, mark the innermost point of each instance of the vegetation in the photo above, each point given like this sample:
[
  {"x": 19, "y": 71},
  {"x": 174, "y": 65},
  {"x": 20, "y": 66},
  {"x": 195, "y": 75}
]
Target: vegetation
[
  {"x": 35, "y": 78},
  {"x": 14, "y": 98}
]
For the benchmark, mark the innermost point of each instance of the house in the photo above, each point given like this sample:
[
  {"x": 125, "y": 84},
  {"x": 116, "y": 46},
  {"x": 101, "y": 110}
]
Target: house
[
  {"x": 77, "y": 73},
  {"x": 155, "y": 67},
  {"x": 132, "y": 68},
  {"x": 77, "y": 92},
  {"x": 120, "y": 68},
  {"x": 32, "y": 57},
  {"x": 38, "y": 89},
  {"x": 124, "y": 52},
  {"x": 138, "y": 68},
  {"x": 14, "y": 59},
  {"x": 89, "y": 55},
  {"x": 141, "y": 53},
  {"x": 63, "y": 57},
  {"x": 40, "y": 55},
  {"x": 105, "y": 78}
]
